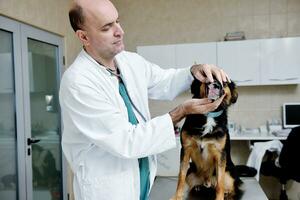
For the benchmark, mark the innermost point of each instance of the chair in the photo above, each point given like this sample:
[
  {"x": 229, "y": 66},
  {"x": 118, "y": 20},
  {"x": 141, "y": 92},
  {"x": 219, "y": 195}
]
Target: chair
[{"x": 289, "y": 165}]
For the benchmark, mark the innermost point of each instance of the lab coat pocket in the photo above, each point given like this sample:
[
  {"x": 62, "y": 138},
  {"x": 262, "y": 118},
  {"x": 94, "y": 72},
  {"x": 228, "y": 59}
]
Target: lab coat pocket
[{"x": 111, "y": 187}]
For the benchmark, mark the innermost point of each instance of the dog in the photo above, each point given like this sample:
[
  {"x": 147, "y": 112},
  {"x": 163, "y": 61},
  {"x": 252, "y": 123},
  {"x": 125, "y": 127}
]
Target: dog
[{"x": 205, "y": 160}]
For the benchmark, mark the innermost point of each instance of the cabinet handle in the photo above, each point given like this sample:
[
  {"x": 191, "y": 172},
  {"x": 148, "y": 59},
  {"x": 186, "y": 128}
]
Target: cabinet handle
[
  {"x": 283, "y": 79},
  {"x": 242, "y": 81}
]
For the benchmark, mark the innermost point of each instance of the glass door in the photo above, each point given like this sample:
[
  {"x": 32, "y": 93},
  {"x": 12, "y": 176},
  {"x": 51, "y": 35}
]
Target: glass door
[
  {"x": 41, "y": 63},
  {"x": 45, "y": 121},
  {"x": 31, "y": 164},
  {"x": 12, "y": 159},
  {"x": 8, "y": 139}
]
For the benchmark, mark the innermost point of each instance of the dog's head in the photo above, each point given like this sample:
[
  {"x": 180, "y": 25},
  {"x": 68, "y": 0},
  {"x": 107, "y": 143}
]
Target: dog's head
[{"x": 214, "y": 91}]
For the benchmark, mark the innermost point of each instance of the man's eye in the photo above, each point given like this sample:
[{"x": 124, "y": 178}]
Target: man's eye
[{"x": 105, "y": 29}]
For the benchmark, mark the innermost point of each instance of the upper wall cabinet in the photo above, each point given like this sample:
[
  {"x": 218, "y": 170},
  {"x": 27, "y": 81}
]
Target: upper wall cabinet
[
  {"x": 181, "y": 55},
  {"x": 240, "y": 59},
  {"x": 280, "y": 61},
  {"x": 247, "y": 62},
  {"x": 162, "y": 55},
  {"x": 190, "y": 54}
]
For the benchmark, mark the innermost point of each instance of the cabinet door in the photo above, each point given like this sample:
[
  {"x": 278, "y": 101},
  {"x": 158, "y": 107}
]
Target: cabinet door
[
  {"x": 190, "y": 54},
  {"x": 240, "y": 60},
  {"x": 162, "y": 55},
  {"x": 280, "y": 61}
]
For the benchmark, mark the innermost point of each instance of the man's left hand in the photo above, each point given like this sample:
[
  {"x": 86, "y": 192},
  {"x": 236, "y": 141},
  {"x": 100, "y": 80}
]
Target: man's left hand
[{"x": 205, "y": 73}]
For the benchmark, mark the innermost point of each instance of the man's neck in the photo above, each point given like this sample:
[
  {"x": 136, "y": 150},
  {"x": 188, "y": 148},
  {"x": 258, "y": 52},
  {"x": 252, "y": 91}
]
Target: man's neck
[{"x": 107, "y": 63}]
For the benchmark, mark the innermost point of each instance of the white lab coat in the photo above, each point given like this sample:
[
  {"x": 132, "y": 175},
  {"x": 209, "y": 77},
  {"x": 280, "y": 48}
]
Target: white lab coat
[{"x": 101, "y": 146}]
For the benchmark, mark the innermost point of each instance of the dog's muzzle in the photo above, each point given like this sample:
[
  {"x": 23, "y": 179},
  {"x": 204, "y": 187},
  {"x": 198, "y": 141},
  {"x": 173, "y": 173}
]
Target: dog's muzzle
[{"x": 214, "y": 90}]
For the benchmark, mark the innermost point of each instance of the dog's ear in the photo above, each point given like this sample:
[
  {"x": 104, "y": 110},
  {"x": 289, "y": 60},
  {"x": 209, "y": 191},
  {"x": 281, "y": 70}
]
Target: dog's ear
[
  {"x": 233, "y": 90},
  {"x": 195, "y": 88}
]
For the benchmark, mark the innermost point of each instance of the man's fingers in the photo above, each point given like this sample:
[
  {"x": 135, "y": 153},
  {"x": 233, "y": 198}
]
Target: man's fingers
[
  {"x": 214, "y": 105},
  {"x": 219, "y": 100},
  {"x": 228, "y": 79},
  {"x": 225, "y": 76},
  {"x": 219, "y": 78},
  {"x": 200, "y": 77},
  {"x": 204, "y": 101},
  {"x": 207, "y": 69},
  {"x": 220, "y": 75},
  {"x": 206, "y": 72}
]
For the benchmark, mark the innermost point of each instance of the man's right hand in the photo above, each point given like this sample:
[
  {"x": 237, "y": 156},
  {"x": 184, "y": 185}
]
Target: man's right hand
[{"x": 194, "y": 106}]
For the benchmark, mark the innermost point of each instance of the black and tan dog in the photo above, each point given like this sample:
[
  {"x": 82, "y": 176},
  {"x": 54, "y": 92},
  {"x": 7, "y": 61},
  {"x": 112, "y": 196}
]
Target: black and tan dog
[{"x": 205, "y": 160}]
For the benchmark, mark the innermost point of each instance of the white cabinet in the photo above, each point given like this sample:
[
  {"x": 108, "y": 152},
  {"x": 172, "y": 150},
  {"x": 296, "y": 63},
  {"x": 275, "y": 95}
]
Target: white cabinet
[
  {"x": 162, "y": 55},
  {"x": 6, "y": 73},
  {"x": 247, "y": 62},
  {"x": 240, "y": 59},
  {"x": 180, "y": 55},
  {"x": 280, "y": 61},
  {"x": 198, "y": 53}
]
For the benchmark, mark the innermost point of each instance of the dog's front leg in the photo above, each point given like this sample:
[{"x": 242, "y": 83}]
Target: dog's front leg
[
  {"x": 221, "y": 165},
  {"x": 184, "y": 165}
]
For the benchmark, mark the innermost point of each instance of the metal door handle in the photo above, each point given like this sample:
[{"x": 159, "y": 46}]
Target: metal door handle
[{"x": 32, "y": 141}]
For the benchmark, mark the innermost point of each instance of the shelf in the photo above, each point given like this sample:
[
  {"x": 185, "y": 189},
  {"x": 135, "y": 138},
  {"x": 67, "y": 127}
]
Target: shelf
[{"x": 248, "y": 136}]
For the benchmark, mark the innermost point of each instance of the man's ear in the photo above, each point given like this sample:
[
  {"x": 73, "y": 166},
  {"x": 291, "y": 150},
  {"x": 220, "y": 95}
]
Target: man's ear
[{"x": 82, "y": 35}]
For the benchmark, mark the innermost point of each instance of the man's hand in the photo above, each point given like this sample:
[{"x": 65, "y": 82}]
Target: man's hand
[
  {"x": 194, "y": 106},
  {"x": 205, "y": 73}
]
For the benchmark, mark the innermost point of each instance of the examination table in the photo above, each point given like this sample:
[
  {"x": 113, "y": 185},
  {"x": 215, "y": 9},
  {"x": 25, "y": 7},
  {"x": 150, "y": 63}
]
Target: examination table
[{"x": 164, "y": 188}]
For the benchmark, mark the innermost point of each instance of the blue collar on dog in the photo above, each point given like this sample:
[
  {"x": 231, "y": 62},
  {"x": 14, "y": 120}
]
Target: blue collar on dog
[{"x": 214, "y": 114}]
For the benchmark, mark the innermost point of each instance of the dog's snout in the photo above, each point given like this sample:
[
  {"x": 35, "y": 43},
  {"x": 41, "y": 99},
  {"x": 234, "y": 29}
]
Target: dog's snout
[{"x": 217, "y": 86}]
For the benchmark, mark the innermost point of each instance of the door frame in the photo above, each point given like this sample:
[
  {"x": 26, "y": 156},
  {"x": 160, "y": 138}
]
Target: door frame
[{"x": 21, "y": 32}]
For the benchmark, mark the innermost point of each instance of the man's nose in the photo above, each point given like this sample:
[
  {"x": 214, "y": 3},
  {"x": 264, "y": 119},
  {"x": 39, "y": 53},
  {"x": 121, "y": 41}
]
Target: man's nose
[{"x": 119, "y": 31}]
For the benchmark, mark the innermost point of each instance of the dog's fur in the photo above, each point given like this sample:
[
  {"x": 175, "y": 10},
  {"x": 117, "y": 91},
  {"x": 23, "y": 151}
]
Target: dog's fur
[{"x": 205, "y": 142}]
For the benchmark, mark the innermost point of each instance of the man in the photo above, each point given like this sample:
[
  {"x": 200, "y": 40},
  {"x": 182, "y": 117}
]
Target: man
[{"x": 109, "y": 138}]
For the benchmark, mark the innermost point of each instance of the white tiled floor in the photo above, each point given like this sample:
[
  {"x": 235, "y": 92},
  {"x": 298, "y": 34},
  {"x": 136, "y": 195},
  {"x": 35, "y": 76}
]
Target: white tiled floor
[{"x": 164, "y": 188}]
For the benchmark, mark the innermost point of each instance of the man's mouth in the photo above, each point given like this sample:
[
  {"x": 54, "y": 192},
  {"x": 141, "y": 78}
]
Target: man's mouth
[{"x": 118, "y": 42}]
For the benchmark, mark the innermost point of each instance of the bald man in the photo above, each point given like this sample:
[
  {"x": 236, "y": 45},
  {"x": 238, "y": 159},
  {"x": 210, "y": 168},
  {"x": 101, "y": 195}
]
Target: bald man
[{"x": 109, "y": 138}]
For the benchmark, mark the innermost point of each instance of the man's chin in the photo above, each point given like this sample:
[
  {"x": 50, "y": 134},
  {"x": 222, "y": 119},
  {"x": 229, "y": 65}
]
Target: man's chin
[{"x": 120, "y": 48}]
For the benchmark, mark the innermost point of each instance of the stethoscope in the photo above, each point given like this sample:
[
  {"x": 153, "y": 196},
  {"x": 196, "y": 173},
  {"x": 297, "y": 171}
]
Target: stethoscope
[{"x": 119, "y": 76}]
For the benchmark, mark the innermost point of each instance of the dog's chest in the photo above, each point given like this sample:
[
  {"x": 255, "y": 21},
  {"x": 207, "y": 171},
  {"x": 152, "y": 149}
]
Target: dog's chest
[
  {"x": 209, "y": 126},
  {"x": 206, "y": 147}
]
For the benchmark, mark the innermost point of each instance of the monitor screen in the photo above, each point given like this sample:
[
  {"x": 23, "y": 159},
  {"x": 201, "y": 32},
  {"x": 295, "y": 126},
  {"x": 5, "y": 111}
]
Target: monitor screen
[{"x": 291, "y": 115}]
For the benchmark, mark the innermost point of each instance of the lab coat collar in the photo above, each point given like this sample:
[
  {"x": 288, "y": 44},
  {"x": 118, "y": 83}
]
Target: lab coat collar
[{"x": 90, "y": 58}]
